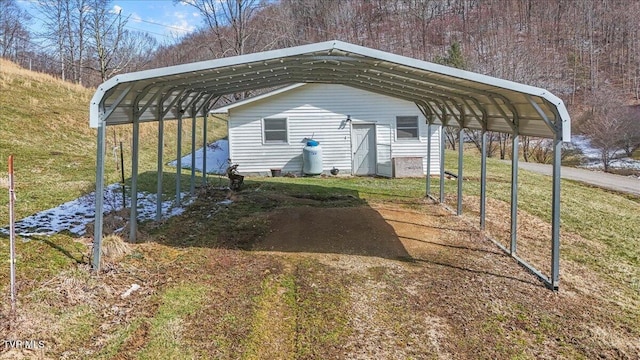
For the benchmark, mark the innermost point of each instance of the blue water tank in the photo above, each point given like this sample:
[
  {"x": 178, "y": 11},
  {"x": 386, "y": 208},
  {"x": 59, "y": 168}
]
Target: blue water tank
[{"x": 312, "y": 158}]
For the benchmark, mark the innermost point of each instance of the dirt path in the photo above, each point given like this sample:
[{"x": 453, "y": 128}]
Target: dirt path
[{"x": 448, "y": 284}]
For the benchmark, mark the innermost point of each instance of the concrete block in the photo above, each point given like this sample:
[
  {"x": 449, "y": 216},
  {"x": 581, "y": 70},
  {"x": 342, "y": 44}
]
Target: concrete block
[{"x": 409, "y": 166}]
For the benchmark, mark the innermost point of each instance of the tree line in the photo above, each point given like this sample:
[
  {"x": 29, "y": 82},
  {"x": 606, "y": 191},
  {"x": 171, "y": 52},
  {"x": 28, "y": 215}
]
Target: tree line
[
  {"x": 81, "y": 41},
  {"x": 585, "y": 51}
]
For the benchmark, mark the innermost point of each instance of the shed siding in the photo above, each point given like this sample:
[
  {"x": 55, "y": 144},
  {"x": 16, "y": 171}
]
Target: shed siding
[{"x": 319, "y": 111}]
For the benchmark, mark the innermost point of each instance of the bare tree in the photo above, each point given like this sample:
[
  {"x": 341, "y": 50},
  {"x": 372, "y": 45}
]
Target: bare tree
[
  {"x": 54, "y": 30},
  {"x": 76, "y": 15},
  {"x": 229, "y": 20},
  {"x": 65, "y": 25},
  {"x": 503, "y": 143},
  {"x": 451, "y": 134},
  {"x": 535, "y": 149},
  {"x": 606, "y": 124},
  {"x": 631, "y": 137},
  {"x": 106, "y": 29},
  {"x": 134, "y": 53},
  {"x": 475, "y": 136},
  {"x": 13, "y": 33}
]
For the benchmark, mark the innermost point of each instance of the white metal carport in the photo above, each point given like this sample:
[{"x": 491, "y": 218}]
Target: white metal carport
[{"x": 446, "y": 96}]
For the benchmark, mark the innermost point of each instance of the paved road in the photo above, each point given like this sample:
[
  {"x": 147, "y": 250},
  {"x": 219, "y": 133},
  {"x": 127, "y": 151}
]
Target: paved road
[{"x": 620, "y": 183}]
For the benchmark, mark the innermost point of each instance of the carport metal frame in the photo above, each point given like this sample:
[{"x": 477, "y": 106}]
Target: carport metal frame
[{"x": 446, "y": 96}]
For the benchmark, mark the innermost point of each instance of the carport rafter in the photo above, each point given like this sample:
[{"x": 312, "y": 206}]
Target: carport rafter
[
  {"x": 474, "y": 101},
  {"x": 284, "y": 77}
]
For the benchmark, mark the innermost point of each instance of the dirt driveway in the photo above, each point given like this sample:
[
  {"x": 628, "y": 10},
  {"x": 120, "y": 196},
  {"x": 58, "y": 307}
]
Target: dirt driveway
[
  {"x": 429, "y": 283},
  {"x": 625, "y": 184}
]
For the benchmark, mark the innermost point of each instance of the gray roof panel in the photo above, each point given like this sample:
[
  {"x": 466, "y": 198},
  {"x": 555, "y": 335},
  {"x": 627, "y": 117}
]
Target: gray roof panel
[{"x": 446, "y": 90}]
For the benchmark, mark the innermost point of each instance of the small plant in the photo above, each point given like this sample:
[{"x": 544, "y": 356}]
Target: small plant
[{"x": 114, "y": 248}]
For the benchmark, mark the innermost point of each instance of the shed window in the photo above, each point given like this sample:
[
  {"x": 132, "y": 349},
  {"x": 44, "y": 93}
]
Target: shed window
[
  {"x": 407, "y": 127},
  {"x": 275, "y": 130}
]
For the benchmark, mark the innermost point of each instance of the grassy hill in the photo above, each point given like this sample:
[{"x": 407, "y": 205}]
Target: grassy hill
[
  {"x": 309, "y": 268},
  {"x": 44, "y": 123}
]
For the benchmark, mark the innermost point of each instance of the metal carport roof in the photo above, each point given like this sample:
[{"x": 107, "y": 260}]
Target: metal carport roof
[{"x": 446, "y": 96}]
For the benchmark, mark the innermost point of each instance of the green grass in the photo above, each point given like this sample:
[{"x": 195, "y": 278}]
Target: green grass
[
  {"x": 166, "y": 334},
  {"x": 41, "y": 257},
  {"x": 51, "y": 172},
  {"x": 115, "y": 345},
  {"x": 596, "y": 214},
  {"x": 273, "y": 329},
  {"x": 48, "y": 169},
  {"x": 322, "y": 312},
  {"x": 52, "y": 169}
]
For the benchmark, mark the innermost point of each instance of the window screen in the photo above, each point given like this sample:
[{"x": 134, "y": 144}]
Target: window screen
[
  {"x": 407, "y": 127},
  {"x": 275, "y": 130}
]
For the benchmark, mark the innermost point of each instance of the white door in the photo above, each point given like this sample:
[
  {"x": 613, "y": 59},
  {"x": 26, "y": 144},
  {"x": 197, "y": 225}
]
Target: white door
[{"x": 364, "y": 146}]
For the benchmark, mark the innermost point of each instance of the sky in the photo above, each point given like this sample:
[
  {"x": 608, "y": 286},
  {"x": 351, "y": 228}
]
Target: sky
[{"x": 163, "y": 19}]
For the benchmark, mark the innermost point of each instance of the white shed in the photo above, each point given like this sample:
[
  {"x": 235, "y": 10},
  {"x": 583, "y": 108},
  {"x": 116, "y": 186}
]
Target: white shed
[{"x": 360, "y": 132}]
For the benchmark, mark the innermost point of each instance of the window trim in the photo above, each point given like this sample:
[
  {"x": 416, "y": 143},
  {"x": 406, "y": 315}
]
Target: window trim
[
  {"x": 264, "y": 131},
  {"x": 417, "y": 127}
]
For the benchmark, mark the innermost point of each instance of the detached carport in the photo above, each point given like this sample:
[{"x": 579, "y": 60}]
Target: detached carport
[{"x": 446, "y": 96}]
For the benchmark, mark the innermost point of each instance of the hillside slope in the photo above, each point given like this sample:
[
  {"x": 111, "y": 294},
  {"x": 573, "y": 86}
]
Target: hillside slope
[{"x": 44, "y": 124}]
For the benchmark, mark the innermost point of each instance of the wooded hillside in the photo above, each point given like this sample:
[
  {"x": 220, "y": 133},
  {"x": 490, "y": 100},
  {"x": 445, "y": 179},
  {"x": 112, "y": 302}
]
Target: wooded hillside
[{"x": 571, "y": 47}]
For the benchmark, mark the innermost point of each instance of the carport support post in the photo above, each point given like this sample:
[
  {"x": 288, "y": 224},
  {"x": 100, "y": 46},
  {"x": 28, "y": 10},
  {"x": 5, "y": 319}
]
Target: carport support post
[
  {"x": 483, "y": 180},
  {"x": 160, "y": 161},
  {"x": 179, "y": 158},
  {"x": 514, "y": 193},
  {"x": 133, "y": 213},
  {"x": 442, "y": 144},
  {"x": 428, "y": 192},
  {"x": 192, "y": 187},
  {"x": 460, "y": 163},
  {"x": 204, "y": 149},
  {"x": 555, "y": 212},
  {"x": 97, "y": 231}
]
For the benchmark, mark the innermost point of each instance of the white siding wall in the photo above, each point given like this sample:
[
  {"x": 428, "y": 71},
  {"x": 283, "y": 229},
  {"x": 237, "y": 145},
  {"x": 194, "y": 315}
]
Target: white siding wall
[{"x": 318, "y": 111}]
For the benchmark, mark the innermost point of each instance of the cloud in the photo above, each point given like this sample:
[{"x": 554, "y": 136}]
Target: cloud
[
  {"x": 116, "y": 9},
  {"x": 181, "y": 24},
  {"x": 135, "y": 18}
]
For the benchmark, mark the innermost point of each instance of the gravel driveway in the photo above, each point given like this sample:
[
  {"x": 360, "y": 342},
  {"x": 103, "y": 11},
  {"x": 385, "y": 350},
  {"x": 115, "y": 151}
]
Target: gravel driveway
[{"x": 626, "y": 184}]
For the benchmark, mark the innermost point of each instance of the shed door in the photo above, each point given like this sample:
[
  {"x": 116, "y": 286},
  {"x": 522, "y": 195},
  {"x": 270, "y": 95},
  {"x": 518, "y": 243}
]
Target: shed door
[{"x": 364, "y": 149}]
